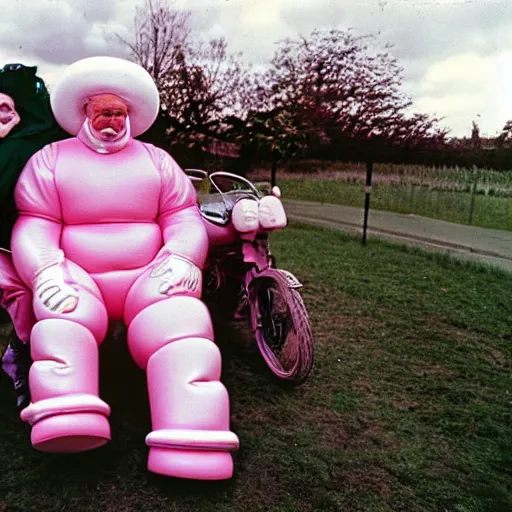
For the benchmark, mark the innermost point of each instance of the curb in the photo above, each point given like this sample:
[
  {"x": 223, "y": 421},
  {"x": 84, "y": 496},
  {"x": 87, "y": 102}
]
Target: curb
[
  {"x": 401, "y": 234},
  {"x": 503, "y": 261}
]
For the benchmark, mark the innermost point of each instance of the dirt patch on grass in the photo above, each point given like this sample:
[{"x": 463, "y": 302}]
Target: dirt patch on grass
[
  {"x": 362, "y": 385},
  {"x": 371, "y": 436},
  {"x": 374, "y": 480},
  {"x": 493, "y": 356},
  {"x": 405, "y": 405},
  {"x": 331, "y": 426},
  {"x": 427, "y": 369}
]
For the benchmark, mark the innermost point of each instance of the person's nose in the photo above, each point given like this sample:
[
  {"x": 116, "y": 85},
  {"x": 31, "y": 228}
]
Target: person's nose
[{"x": 118, "y": 120}]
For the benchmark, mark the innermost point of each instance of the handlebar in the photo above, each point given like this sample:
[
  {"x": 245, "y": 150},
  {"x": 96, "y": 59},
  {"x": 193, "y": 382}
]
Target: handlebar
[{"x": 199, "y": 175}]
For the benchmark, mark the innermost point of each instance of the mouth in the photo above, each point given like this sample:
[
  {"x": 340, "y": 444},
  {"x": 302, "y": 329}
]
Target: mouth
[
  {"x": 109, "y": 132},
  {"x": 5, "y": 119}
]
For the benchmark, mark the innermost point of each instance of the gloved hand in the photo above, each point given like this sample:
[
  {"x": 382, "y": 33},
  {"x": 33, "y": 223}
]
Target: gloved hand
[
  {"x": 53, "y": 292},
  {"x": 177, "y": 274}
]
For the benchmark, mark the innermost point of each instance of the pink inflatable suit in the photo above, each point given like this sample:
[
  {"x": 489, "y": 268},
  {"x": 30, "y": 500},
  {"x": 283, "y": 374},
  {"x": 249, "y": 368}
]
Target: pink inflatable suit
[{"x": 109, "y": 229}]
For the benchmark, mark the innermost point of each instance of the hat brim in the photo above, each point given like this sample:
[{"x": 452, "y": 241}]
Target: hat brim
[{"x": 105, "y": 75}]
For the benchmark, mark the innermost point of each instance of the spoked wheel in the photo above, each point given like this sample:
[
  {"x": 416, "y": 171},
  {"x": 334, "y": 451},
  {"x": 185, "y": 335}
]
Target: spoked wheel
[
  {"x": 281, "y": 324},
  {"x": 222, "y": 294}
]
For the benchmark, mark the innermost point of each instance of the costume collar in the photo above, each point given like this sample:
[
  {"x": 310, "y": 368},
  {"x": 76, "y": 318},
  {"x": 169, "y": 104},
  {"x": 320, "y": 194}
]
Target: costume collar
[{"x": 88, "y": 136}]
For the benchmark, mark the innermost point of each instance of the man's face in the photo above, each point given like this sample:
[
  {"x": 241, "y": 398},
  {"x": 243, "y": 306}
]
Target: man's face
[
  {"x": 9, "y": 118},
  {"x": 107, "y": 114}
]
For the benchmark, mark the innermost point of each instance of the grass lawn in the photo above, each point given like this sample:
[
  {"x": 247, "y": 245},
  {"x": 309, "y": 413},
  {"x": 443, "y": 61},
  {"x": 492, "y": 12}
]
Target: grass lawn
[
  {"x": 440, "y": 193},
  {"x": 453, "y": 206},
  {"x": 409, "y": 407}
]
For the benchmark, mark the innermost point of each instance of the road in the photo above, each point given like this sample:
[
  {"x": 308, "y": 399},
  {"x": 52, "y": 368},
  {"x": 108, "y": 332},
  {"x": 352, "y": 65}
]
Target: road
[{"x": 490, "y": 246}]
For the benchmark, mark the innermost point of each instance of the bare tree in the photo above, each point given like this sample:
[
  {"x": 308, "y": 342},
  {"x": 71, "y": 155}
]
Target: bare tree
[
  {"x": 208, "y": 85},
  {"x": 200, "y": 82},
  {"x": 340, "y": 82},
  {"x": 160, "y": 33}
]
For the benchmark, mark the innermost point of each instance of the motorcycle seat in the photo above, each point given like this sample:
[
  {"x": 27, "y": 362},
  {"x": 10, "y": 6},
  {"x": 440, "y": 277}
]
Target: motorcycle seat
[{"x": 217, "y": 207}]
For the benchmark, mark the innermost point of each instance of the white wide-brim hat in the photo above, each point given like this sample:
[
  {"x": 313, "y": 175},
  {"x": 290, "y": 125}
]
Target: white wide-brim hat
[{"x": 105, "y": 75}]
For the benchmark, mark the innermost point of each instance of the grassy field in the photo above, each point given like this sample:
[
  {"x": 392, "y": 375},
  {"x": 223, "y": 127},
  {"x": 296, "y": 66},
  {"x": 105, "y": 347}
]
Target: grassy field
[
  {"x": 444, "y": 194},
  {"x": 409, "y": 407}
]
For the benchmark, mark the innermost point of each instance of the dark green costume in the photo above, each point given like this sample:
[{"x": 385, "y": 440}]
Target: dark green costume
[{"x": 36, "y": 129}]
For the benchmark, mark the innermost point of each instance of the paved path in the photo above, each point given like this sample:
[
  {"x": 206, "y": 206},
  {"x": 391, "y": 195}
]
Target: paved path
[{"x": 490, "y": 246}]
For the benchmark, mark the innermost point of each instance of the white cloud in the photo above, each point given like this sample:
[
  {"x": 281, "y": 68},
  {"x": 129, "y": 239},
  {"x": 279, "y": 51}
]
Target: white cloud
[
  {"x": 469, "y": 87},
  {"x": 455, "y": 53}
]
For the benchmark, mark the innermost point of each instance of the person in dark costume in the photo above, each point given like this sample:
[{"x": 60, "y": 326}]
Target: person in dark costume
[{"x": 27, "y": 125}]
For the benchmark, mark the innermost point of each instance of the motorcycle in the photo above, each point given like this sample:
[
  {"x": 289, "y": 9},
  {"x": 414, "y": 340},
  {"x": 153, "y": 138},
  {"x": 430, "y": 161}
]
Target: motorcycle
[{"x": 241, "y": 279}]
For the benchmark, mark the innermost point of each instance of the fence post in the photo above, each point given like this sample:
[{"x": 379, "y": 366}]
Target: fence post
[
  {"x": 473, "y": 194},
  {"x": 367, "y": 192},
  {"x": 273, "y": 171}
]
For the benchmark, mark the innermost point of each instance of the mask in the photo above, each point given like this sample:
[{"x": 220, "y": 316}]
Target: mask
[
  {"x": 9, "y": 118},
  {"x": 107, "y": 116}
]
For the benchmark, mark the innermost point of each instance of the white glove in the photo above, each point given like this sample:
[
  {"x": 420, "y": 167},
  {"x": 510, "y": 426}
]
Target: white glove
[
  {"x": 53, "y": 292},
  {"x": 177, "y": 274}
]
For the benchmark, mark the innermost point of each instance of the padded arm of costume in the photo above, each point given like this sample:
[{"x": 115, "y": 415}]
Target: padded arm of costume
[
  {"x": 182, "y": 226},
  {"x": 35, "y": 240}
]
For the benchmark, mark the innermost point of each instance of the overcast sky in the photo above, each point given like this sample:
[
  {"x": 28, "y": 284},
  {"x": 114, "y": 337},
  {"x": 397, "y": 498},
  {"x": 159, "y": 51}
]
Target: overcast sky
[{"x": 456, "y": 54}]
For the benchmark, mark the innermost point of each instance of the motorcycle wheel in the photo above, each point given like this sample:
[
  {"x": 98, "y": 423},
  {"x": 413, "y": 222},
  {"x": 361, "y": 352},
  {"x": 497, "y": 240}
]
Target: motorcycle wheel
[{"x": 281, "y": 326}]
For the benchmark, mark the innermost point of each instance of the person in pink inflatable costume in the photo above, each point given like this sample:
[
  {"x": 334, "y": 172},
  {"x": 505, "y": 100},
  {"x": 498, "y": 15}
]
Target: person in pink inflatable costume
[{"x": 109, "y": 228}]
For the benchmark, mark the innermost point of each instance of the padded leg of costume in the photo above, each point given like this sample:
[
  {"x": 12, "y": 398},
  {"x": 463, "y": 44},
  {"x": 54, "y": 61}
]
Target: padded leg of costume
[
  {"x": 172, "y": 339},
  {"x": 16, "y": 363},
  {"x": 16, "y": 298},
  {"x": 66, "y": 412}
]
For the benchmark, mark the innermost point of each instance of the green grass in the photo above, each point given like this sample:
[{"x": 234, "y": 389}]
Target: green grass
[
  {"x": 408, "y": 409},
  {"x": 443, "y": 194},
  {"x": 489, "y": 211},
  {"x": 487, "y": 181}
]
